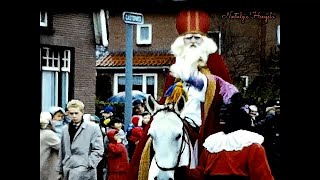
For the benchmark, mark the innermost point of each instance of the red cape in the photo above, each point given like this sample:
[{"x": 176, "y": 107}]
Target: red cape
[
  {"x": 217, "y": 67},
  {"x": 250, "y": 162}
]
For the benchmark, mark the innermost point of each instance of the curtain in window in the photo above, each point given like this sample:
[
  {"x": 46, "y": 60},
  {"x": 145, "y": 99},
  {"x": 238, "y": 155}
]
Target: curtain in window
[
  {"x": 64, "y": 89},
  {"x": 144, "y": 35},
  {"x": 150, "y": 85},
  {"x": 48, "y": 90},
  {"x": 121, "y": 80},
  {"x": 150, "y": 80},
  {"x": 137, "y": 80}
]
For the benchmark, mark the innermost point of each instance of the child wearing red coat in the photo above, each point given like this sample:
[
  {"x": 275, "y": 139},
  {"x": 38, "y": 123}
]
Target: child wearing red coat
[
  {"x": 137, "y": 130},
  {"x": 135, "y": 133},
  {"x": 117, "y": 157}
]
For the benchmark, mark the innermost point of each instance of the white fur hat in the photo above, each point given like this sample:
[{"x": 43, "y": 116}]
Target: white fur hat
[
  {"x": 253, "y": 108},
  {"x": 45, "y": 118},
  {"x": 55, "y": 109}
]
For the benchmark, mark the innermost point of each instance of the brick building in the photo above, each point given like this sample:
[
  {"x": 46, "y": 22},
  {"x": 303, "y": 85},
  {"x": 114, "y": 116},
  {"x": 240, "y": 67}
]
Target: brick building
[{"x": 67, "y": 58}]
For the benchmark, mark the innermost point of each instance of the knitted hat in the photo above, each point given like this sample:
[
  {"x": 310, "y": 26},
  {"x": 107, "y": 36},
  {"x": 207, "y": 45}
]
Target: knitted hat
[
  {"x": 136, "y": 120},
  {"x": 108, "y": 109},
  {"x": 192, "y": 21},
  {"x": 137, "y": 102},
  {"x": 253, "y": 108},
  {"x": 110, "y": 135},
  {"x": 54, "y": 109},
  {"x": 45, "y": 118}
]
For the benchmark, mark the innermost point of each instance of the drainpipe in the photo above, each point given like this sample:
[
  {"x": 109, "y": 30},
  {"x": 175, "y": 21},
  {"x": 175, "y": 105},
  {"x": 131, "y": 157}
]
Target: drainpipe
[
  {"x": 100, "y": 27},
  {"x": 103, "y": 26}
]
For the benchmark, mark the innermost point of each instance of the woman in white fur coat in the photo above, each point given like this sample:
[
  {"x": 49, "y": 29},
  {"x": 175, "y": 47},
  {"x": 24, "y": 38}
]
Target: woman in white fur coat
[{"x": 49, "y": 149}]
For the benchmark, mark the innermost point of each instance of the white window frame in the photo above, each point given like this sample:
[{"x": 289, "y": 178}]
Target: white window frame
[
  {"x": 45, "y": 22},
  {"x": 246, "y": 81},
  {"x": 219, "y": 43},
  {"x": 144, "y": 41},
  {"x": 50, "y": 57},
  {"x": 56, "y": 55},
  {"x": 67, "y": 59},
  {"x": 144, "y": 82}
]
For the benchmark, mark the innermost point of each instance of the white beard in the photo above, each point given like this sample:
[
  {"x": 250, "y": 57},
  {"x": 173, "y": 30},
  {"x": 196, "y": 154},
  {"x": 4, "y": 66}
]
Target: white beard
[
  {"x": 194, "y": 56},
  {"x": 188, "y": 58}
]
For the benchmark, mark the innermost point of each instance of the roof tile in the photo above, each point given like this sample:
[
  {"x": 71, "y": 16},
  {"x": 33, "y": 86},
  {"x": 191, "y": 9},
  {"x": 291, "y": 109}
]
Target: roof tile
[{"x": 141, "y": 59}]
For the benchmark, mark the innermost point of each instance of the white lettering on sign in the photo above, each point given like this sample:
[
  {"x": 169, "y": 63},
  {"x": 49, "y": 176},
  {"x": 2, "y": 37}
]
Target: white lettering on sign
[
  {"x": 129, "y": 17},
  {"x": 132, "y": 18}
]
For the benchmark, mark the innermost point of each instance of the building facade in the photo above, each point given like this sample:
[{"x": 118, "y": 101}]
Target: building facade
[
  {"x": 244, "y": 38},
  {"x": 67, "y": 58}
]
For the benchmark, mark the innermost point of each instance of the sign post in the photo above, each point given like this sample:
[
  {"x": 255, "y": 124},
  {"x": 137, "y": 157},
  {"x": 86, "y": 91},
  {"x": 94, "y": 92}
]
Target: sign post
[{"x": 130, "y": 18}]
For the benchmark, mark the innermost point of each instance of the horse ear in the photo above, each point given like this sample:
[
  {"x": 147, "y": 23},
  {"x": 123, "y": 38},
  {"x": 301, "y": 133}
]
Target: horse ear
[
  {"x": 178, "y": 107},
  {"x": 151, "y": 104}
]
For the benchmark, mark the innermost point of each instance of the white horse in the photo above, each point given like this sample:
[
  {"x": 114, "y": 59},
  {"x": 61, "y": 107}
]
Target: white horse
[{"x": 170, "y": 140}]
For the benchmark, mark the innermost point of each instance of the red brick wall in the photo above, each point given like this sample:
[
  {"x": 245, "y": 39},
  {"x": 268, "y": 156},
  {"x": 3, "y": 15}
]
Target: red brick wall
[
  {"x": 76, "y": 30},
  {"x": 163, "y": 32}
]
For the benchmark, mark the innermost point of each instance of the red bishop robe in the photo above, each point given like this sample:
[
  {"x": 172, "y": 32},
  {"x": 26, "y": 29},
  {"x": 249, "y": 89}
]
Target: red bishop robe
[{"x": 210, "y": 124}]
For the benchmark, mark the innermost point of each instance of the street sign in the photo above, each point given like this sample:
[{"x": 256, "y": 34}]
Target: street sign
[{"x": 132, "y": 18}]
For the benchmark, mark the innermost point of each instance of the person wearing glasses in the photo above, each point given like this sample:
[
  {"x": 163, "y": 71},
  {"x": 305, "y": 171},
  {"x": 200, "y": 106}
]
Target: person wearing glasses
[{"x": 81, "y": 145}]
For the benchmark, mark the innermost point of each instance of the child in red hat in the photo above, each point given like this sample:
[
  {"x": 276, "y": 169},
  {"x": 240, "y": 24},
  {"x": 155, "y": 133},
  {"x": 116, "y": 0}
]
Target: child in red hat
[
  {"x": 137, "y": 130},
  {"x": 135, "y": 133},
  {"x": 117, "y": 157}
]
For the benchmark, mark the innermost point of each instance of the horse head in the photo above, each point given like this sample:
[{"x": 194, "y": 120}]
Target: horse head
[{"x": 169, "y": 139}]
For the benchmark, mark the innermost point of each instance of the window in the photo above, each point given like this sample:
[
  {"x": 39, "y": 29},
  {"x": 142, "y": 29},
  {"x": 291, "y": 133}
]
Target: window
[
  {"x": 46, "y": 23},
  {"x": 244, "y": 82},
  {"x": 43, "y": 19},
  {"x": 216, "y": 36},
  {"x": 55, "y": 70},
  {"x": 144, "y": 34},
  {"x": 146, "y": 83}
]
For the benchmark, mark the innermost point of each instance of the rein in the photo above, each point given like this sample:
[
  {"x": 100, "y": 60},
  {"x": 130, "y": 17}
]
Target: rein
[{"x": 183, "y": 145}]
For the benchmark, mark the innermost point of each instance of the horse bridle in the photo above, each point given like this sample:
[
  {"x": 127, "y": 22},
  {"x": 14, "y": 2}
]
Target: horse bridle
[{"x": 184, "y": 133}]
